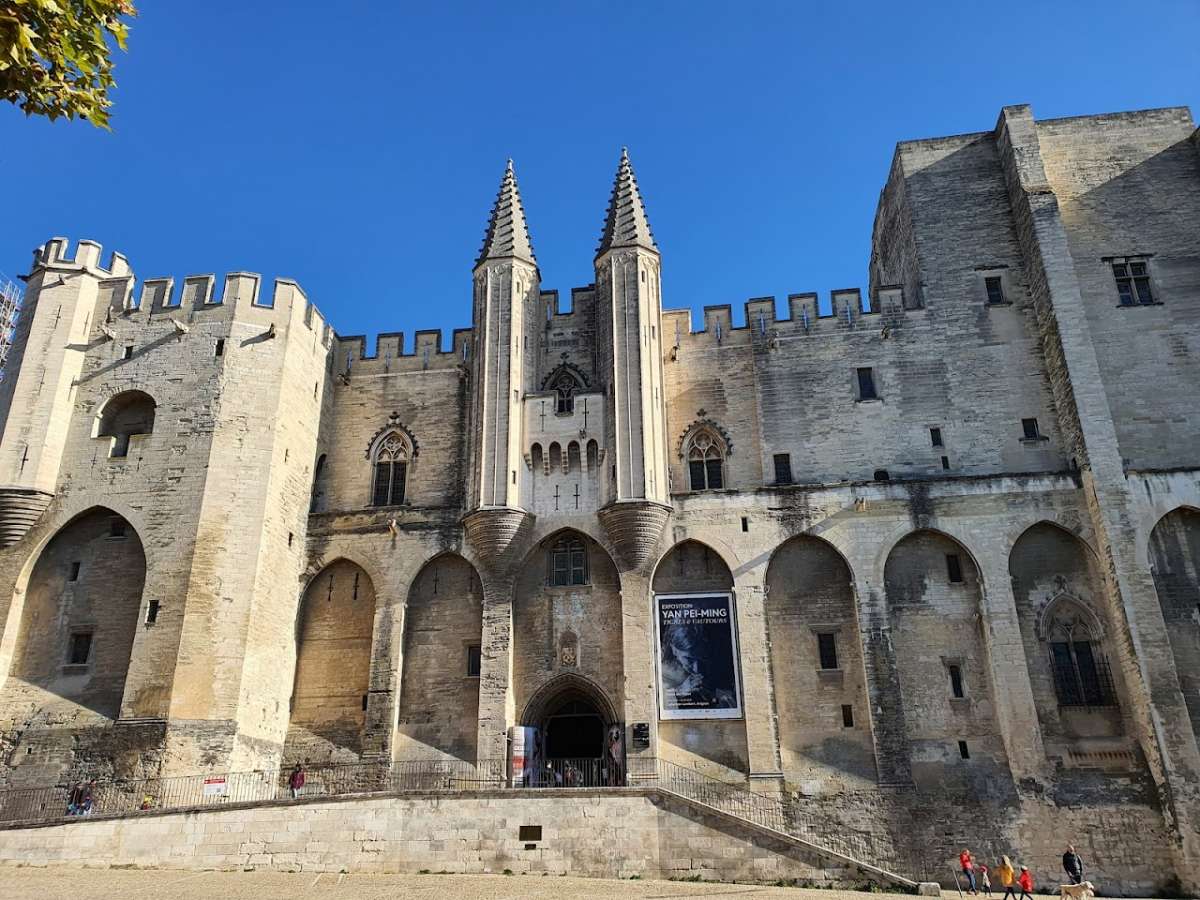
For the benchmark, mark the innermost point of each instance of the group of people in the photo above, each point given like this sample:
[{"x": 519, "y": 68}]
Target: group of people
[
  {"x": 81, "y": 798},
  {"x": 979, "y": 880}
]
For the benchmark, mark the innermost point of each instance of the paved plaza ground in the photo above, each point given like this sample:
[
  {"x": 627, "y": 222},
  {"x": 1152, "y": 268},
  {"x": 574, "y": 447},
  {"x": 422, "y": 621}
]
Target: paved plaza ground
[{"x": 100, "y": 884}]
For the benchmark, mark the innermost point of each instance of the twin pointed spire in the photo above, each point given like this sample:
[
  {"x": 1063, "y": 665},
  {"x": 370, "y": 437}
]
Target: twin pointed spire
[
  {"x": 507, "y": 232},
  {"x": 625, "y": 224}
]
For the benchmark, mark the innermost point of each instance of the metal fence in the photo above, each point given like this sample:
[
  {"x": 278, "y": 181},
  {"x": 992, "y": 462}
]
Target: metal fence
[{"x": 141, "y": 796}]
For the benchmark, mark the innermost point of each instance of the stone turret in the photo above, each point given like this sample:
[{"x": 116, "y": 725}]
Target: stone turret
[
  {"x": 503, "y": 363},
  {"x": 629, "y": 304}
]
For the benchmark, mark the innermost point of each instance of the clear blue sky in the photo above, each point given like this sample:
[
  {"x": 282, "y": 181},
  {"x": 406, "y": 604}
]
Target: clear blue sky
[{"x": 357, "y": 146}]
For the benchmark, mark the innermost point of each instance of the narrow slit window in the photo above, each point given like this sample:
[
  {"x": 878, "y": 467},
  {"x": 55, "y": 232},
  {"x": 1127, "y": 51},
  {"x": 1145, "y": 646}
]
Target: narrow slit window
[
  {"x": 827, "y": 650},
  {"x": 74, "y": 576},
  {"x": 152, "y": 611},
  {"x": 954, "y": 568},
  {"x": 783, "y": 468},
  {"x": 847, "y": 716},
  {"x": 995, "y": 288},
  {"x": 945, "y": 462},
  {"x": 866, "y": 385},
  {"x": 963, "y": 750},
  {"x": 956, "y": 681},
  {"x": 219, "y": 347},
  {"x": 474, "y": 660},
  {"x": 1029, "y": 427},
  {"x": 128, "y": 353},
  {"x": 935, "y": 437}
]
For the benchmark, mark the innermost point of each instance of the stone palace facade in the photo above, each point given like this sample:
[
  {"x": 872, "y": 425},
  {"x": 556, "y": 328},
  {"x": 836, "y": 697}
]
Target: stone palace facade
[{"x": 923, "y": 557}]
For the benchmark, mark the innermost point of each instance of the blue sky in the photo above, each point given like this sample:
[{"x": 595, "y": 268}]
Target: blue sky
[{"x": 357, "y": 147}]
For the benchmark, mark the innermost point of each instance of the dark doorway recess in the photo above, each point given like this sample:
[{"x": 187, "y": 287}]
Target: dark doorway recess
[{"x": 574, "y": 730}]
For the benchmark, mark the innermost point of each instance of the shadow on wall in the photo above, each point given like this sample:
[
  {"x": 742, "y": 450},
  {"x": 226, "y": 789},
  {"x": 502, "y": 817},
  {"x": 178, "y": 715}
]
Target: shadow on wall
[{"x": 81, "y": 612}]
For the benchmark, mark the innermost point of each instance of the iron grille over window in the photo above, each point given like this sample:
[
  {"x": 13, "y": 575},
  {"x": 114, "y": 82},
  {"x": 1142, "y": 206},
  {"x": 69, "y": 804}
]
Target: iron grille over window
[
  {"x": 1081, "y": 673},
  {"x": 568, "y": 562},
  {"x": 391, "y": 471},
  {"x": 1133, "y": 283}
]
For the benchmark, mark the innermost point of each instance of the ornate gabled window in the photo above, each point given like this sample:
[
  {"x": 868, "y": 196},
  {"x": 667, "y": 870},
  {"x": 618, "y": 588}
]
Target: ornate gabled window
[
  {"x": 390, "y": 458},
  {"x": 565, "y": 381},
  {"x": 705, "y": 451},
  {"x": 1081, "y": 673},
  {"x": 568, "y": 562}
]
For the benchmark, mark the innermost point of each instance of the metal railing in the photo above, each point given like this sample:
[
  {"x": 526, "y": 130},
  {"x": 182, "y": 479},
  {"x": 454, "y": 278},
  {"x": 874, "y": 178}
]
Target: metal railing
[{"x": 142, "y": 796}]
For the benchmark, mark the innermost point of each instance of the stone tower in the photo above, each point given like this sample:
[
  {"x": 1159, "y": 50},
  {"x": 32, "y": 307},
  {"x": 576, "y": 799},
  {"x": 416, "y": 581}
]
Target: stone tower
[{"x": 629, "y": 327}]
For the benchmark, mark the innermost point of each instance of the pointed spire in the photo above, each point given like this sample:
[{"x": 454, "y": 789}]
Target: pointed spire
[
  {"x": 507, "y": 233},
  {"x": 626, "y": 224}
]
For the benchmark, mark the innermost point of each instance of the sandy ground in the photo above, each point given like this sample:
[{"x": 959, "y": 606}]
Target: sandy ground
[{"x": 100, "y": 884}]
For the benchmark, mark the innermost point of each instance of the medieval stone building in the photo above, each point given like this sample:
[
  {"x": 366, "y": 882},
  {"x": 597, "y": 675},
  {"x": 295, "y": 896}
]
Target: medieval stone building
[{"x": 951, "y": 523}]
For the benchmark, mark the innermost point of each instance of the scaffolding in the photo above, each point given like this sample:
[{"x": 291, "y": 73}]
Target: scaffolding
[{"x": 10, "y": 303}]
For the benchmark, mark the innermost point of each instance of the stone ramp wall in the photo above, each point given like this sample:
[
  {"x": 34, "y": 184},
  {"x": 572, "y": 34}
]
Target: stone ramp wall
[{"x": 610, "y": 834}]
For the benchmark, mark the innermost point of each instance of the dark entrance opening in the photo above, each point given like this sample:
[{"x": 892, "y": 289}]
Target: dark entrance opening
[{"x": 574, "y": 730}]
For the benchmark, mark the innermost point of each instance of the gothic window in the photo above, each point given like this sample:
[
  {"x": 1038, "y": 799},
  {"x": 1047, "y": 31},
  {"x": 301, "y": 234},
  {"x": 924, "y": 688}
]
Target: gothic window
[
  {"x": 391, "y": 469},
  {"x": 568, "y": 562},
  {"x": 565, "y": 385},
  {"x": 706, "y": 461},
  {"x": 1081, "y": 673}
]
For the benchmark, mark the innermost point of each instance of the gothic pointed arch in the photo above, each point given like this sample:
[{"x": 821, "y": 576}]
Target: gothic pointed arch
[
  {"x": 391, "y": 451},
  {"x": 704, "y": 448},
  {"x": 565, "y": 380},
  {"x": 1175, "y": 564}
]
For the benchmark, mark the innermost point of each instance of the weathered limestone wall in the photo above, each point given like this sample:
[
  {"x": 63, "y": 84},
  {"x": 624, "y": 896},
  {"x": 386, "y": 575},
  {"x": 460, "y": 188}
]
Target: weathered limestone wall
[{"x": 610, "y": 835}]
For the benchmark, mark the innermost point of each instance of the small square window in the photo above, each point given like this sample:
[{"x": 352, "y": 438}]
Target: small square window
[
  {"x": 1133, "y": 283},
  {"x": 847, "y": 716},
  {"x": 529, "y": 833},
  {"x": 116, "y": 528},
  {"x": 827, "y": 650},
  {"x": 74, "y": 574},
  {"x": 954, "y": 568},
  {"x": 995, "y": 288},
  {"x": 783, "y": 468},
  {"x": 1030, "y": 429},
  {"x": 866, "y": 385},
  {"x": 80, "y": 649},
  {"x": 935, "y": 437},
  {"x": 474, "y": 660},
  {"x": 963, "y": 750},
  {"x": 956, "y": 681}
]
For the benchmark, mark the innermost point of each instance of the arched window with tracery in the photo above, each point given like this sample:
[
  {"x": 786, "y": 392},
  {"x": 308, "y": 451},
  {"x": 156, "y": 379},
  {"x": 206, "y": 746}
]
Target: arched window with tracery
[
  {"x": 705, "y": 452},
  {"x": 565, "y": 385},
  {"x": 1081, "y": 673},
  {"x": 568, "y": 561},
  {"x": 390, "y": 457}
]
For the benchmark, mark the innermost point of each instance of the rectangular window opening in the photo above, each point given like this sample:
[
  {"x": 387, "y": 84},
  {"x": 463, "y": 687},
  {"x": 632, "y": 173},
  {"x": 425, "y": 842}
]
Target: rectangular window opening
[
  {"x": 954, "y": 568},
  {"x": 963, "y": 751},
  {"x": 219, "y": 348},
  {"x": 529, "y": 833},
  {"x": 1133, "y": 283},
  {"x": 783, "y": 468},
  {"x": 80, "y": 649},
  {"x": 116, "y": 528},
  {"x": 74, "y": 576},
  {"x": 956, "y": 682},
  {"x": 935, "y": 437},
  {"x": 474, "y": 660},
  {"x": 152, "y": 611},
  {"x": 745, "y": 524},
  {"x": 847, "y": 716},
  {"x": 995, "y": 288},
  {"x": 1029, "y": 428},
  {"x": 945, "y": 462},
  {"x": 128, "y": 354},
  {"x": 827, "y": 649},
  {"x": 866, "y": 385}
]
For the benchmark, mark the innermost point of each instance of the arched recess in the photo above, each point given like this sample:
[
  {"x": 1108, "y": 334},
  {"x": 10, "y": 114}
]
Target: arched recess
[
  {"x": 817, "y": 666},
  {"x": 567, "y": 621},
  {"x": 334, "y": 629},
  {"x": 1175, "y": 562},
  {"x": 1067, "y": 635},
  {"x": 82, "y": 605},
  {"x": 125, "y": 419},
  {"x": 439, "y": 682},
  {"x": 935, "y": 603},
  {"x": 693, "y": 567}
]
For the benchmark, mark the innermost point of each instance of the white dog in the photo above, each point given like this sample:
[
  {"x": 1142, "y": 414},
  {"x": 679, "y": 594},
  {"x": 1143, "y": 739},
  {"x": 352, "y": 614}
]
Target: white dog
[{"x": 1084, "y": 891}]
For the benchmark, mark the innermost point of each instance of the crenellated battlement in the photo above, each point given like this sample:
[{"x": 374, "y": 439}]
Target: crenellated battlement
[
  {"x": 761, "y": 323},
  {"x": 239, "y": 294},
  {"x": 390, "y": 356}
]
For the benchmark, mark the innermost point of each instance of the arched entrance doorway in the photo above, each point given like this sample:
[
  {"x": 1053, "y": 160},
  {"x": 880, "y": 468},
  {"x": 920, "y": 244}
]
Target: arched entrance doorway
[{"x": 581, "y": 742}]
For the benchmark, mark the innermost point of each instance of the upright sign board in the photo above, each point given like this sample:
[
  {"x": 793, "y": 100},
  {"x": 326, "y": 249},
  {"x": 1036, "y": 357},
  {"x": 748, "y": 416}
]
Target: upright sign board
[{"x": 697, "y": 657}]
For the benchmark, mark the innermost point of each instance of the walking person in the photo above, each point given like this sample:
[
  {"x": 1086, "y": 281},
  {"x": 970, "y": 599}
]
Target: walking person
[
  {"x": 968, "y": 869},
  {"x": 296, "y": 780},
  {"x": 1073, "y": 865},
  {"x": 1026, "y": 882},
  {"x": 985, "y": 880},
  {"x": 1008, "y": 878}
]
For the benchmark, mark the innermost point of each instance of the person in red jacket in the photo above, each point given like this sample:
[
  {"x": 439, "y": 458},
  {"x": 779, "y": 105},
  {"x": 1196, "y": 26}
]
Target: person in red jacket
[
  {"x": 968, "y": 869},
  {"x": 296, "y": 780},
  {"x": 1026, "y": 882}
]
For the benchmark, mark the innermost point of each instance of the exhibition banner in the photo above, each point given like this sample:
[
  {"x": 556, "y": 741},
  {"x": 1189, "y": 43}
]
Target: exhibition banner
[{"x": 697, "y": 657}]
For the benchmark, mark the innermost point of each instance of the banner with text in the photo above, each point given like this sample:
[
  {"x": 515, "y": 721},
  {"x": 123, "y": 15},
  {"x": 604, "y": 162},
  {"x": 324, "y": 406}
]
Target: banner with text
[{"x": 697, "y": 657}]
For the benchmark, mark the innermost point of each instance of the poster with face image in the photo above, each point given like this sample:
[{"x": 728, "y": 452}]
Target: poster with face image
[{"x": 697, "y": 657}]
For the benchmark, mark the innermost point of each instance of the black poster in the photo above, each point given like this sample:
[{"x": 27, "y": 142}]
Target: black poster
[{"x": 697, "y": 657}]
